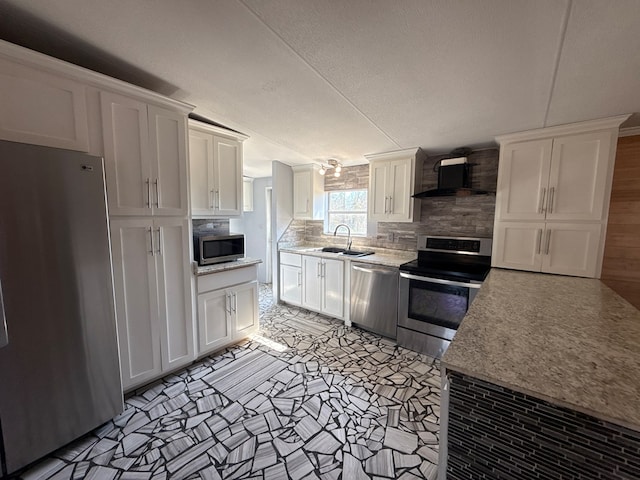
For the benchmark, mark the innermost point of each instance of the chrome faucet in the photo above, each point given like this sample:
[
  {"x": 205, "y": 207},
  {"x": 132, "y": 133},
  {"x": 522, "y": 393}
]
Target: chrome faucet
[{"x": 348, "y": 234}]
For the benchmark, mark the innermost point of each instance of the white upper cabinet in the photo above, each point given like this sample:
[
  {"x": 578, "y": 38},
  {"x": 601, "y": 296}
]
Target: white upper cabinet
[
  {"x": 523, "y": 182},
  {"x": 553, "y": 195},
  {"x": 42, "y": 108},
  {"x": 125, "y": 130},
  {"x": 215, "y": 159},
  {"x": 578, "y": 177},
  {"x": 168, "y": 141},
  {"x": 393, "y": 179},
  {"x": 555, "y": 179},
  {"x": 145, "y": 157},
  {"x": 308, "y": 193}
]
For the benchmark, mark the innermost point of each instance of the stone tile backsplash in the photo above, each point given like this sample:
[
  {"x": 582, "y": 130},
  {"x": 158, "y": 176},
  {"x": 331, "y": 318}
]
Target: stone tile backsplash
[{"x": 466, "y": 216}]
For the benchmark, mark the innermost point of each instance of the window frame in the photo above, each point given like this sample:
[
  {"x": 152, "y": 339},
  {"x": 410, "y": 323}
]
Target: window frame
[{"x": 328, "y": 211}]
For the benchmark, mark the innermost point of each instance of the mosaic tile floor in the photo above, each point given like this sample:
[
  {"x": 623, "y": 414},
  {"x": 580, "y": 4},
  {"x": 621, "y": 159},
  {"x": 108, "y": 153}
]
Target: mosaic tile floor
[{"x": 306, "y": 398}]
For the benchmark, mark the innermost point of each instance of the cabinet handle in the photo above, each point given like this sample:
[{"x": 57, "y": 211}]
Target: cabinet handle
[
  {"x": 160, "y": 242},
  {"x": 385, "y": 203},
  {"x": 548, "y": 242},
  {"x": 211, "y": 198},
  {"x": 552, "y": 192},
  {"x": 542, "y": 197},
  {"x": 4, "y": 334},
  {"x": 390, "y": 204},
  {"x": 319, "y": 270},
  {"x": 217, "y": 196},
  {"x": 539, "y": 242},
  {"x": 299, "y": 279},
  {"x": 235, "y": 302},
  {"x": 307, "y": 210},
  {"x": 227, "y": 304},
  {"x": 152, "y": 252},
  {"x": 148, "y": 183},
  {"x": 155, "y": 184}
]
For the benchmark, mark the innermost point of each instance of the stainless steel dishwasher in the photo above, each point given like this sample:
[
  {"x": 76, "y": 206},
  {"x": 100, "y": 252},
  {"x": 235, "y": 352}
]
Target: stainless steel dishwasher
[{"x": 374, "y": 298}]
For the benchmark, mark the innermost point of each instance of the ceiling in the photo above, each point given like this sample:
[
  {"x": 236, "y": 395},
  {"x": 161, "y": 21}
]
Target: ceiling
[{"x": 310, "y": 80}]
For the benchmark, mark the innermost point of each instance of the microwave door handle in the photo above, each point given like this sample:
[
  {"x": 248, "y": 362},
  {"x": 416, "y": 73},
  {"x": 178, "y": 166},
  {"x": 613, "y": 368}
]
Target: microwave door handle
[{"x": 4, "y": 334}]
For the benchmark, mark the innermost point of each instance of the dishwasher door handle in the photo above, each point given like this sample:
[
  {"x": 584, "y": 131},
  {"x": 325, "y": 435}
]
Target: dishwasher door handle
[{"x": 384, "y": 271}]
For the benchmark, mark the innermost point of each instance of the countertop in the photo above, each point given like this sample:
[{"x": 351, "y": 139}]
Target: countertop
[
  {"x": 387, "y": 257},
  {"x": 224, "y": 266},
  {"x": 571, "y": 341}
]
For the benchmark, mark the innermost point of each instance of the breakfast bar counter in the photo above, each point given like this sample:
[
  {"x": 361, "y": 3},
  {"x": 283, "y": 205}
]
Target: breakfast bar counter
[{"x": 543, "y": 376}]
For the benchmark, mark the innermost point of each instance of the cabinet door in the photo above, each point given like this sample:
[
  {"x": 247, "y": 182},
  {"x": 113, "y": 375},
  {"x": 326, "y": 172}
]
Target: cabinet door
[
  {"x": 302, "y": 195},
  {"x": 333, "y": 287},
  {"x": 378, "y": 195},
  {"x": 126, "y": 154},
  {"x": 167, "y": 135},
  {"x": 227, "y": 164},
  {"x": 571, "y": 249},
  {"x": 518, "y": 245},
  {"x": 311, "y": 282},
  {"x": 400, "y": 202},
  {"x": 523, "y": 180},
  {"x": 214, "y": 320},
  {"x": 245, "y": 309},
  {"x": 201, "y": 173},
  {"x": 291, "y": 284},
  {"x": 41, "y": 108},
  {"x": 578, "y": 179},
  {"x": 134, "y": 278},
  {"x": 174, "y": 291}
]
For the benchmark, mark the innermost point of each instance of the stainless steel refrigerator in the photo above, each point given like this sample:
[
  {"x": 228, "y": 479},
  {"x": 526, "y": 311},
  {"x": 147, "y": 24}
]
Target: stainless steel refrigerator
[{"x": 59, "y": 366}]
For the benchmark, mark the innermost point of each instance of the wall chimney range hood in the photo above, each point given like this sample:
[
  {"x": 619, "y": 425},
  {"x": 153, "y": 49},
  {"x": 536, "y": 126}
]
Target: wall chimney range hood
[{"x": 454, "y": 178}]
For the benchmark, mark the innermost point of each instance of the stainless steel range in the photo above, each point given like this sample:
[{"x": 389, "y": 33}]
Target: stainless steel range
[{"x": 437, "y": 289}]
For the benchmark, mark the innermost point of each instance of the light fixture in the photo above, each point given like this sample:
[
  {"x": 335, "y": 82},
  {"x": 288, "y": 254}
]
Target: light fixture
[{"x": 334, "y": 167}]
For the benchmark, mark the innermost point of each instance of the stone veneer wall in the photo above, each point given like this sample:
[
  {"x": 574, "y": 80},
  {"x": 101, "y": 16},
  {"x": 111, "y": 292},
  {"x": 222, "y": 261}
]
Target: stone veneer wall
[
  {"x": 460, "y": 216},
  {"x": 496, "y": 433}
]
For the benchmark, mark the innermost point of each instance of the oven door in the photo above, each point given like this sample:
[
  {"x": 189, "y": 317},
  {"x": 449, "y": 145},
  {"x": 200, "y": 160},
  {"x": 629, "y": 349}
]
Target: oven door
[{"x": 432, "y": 305}]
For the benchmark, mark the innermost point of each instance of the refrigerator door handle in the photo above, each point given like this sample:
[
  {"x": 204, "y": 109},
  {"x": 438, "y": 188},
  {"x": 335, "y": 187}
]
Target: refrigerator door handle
[{"x": 4, "y": 335}]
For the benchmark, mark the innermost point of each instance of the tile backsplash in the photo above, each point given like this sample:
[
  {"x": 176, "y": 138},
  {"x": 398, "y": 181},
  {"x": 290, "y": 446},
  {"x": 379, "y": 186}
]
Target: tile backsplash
[{"x": 456, "y": 216}]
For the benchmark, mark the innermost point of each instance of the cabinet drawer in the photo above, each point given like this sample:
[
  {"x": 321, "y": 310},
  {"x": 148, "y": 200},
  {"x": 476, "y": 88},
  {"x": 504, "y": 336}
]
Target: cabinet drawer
[
  {"x": 293, "y": 259},
  {"x": 214, "y": 281}
]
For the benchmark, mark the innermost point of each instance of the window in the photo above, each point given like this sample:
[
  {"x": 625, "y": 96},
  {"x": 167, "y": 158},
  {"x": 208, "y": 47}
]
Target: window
[{"x": 348, "y": 207}]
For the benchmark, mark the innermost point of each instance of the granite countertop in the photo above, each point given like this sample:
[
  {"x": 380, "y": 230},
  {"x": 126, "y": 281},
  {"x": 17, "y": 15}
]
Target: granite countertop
[
  {"x": 224, "y": 266},
  {"x": 571, "y": 341},
  {"x": 387, "y": 257}
]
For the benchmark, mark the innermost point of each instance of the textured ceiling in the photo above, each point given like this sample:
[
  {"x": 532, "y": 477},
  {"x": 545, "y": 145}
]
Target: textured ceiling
[{"x": 315, "y": 79}]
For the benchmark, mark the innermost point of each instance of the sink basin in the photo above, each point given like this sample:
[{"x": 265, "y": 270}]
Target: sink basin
[
  {"x": 334, "y": 250},
  {"x": 354, "y": 253}
]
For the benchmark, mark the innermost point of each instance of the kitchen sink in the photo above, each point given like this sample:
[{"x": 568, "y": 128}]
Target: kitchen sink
[
  {"x": 355, "y": 253},
  {"x": 344, "y": 251},
  {"x": 334, "y": 250}
]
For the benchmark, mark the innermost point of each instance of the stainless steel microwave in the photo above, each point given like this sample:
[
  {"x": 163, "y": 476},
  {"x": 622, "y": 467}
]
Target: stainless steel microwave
[{"x": 209, "y": 248}]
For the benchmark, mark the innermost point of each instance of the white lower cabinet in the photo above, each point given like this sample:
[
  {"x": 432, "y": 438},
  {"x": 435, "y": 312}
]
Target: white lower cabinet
[
  {"x": 153, "y": 297},
  {"x": 317, "y": 284},
  {"x": 562, "y": 248},
  {"x": 226, "y": 314}
]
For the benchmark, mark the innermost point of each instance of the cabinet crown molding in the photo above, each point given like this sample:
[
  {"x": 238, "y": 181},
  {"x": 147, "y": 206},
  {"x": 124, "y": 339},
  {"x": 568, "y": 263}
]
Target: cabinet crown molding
[
  {"x": 407, "y": 152},
  {"x": 566, "y": 129},
  {"x": 31, "y": 58},
  {"x": 206, "y": 127},
  {"x": 629, "y": 132}
]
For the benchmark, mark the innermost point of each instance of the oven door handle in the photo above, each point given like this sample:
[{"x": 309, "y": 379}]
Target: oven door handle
[{"x": 440, "y": 280}]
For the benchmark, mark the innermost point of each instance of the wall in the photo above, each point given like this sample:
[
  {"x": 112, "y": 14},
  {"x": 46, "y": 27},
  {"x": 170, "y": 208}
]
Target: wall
[
  {"x": 254, "y": 226},
  {"x": 621, "y": 263},
  {"x": 282, "y": 213},
  {"x": 459, "y": 216}
]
